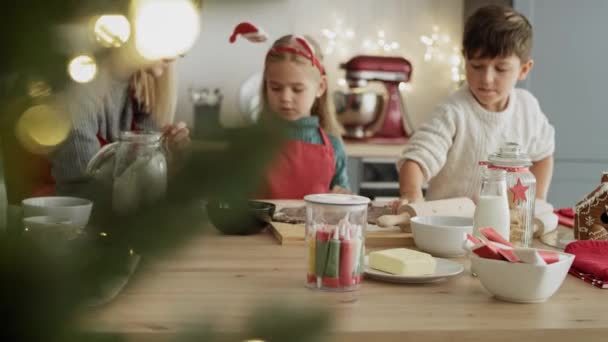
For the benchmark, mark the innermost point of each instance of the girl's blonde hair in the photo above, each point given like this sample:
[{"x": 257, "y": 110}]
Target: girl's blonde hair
[
  {"x": 157, "y": 95},
  {"x": 323, "y": 106}
]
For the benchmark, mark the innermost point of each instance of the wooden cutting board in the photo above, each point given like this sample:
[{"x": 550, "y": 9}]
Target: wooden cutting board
[{"x": 293, "y": 234}]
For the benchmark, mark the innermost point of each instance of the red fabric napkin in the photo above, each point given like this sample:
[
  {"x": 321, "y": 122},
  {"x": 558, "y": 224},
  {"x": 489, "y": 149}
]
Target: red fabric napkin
[
  {"x": 591, "y": 258},
  {"x": 565, "y": 216}
]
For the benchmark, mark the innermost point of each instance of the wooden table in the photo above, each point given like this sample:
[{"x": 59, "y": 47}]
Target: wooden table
[
  {"x": 371, "y": 150},
  {"x": 220, "y": 279}
]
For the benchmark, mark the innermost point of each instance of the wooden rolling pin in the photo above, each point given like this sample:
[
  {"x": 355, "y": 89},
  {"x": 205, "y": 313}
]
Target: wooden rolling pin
[
  {"x": 542, "y": 207},
  {"x": 460, "y": 206},
  {"x": 545, "y": 221}
]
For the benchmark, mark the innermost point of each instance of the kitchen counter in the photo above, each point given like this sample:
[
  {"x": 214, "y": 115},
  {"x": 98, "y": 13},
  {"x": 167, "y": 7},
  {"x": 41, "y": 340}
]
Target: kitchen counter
[
  {"x": 379, "y": 161},
  {"x": 220, "y": 280},
  {"x": 371, "y": 150}
]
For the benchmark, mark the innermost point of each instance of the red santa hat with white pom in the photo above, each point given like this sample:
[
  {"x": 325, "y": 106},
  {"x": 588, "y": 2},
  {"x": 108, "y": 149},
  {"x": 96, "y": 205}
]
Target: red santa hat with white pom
[
  {"x": 250, "y": 32},
  {"x": 255, "y": 34}
]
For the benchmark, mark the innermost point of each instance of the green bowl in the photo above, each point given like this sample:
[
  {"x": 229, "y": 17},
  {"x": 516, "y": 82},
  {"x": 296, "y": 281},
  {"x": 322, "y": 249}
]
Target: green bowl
[{"x": 240, "y": 217}]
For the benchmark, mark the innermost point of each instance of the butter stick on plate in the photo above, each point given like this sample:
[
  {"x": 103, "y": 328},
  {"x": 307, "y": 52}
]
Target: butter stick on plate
[{"x": 403, "y": 262}]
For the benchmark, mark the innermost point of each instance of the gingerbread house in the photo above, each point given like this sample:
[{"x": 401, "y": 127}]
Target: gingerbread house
[{"x": 591, "y": 214}]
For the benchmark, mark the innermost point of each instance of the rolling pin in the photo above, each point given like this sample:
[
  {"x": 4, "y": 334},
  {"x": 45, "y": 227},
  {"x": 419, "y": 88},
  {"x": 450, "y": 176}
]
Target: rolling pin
[
  {"x": 544, "y": 224},
  {"x": 542, "y": 207},
  {"x": 545, "y": 221},
  {"x": 459, "y": 206}
]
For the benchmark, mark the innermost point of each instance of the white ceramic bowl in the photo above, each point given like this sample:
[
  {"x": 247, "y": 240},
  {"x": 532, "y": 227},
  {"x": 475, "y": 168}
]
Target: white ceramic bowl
[
  {"x": 74, "y": 209},
  {"x": 519, "y": 282},
  {"x": 441, "y": 236}
]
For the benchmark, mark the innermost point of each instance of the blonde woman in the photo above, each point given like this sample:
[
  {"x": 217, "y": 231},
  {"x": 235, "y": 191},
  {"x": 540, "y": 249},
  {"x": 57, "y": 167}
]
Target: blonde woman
[{"x": 144, "y": 100}]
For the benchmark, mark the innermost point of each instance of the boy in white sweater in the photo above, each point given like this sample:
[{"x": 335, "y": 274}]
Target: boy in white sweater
[{"x": 482, "y": 115}]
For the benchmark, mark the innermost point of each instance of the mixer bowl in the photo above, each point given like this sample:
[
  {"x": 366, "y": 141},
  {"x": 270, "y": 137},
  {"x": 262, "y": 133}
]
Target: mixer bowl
[{"x": 357, "y": 109}]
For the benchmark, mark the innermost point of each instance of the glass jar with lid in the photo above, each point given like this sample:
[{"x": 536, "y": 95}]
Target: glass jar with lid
[
  {"x": 335, "y": 241},
  {"x": 521, "y": 185}
]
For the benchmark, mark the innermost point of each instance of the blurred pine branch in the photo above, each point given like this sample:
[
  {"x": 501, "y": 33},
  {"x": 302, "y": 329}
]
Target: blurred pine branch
[{"x": 42, "y": 288}]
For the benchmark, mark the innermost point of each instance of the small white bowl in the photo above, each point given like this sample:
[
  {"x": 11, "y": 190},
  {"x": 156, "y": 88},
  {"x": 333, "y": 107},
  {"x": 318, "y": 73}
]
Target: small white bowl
[
  {"x": 519, "y": 282},
  {"x": 77, "y": 210},
  {"x": 442, "y": 236}
]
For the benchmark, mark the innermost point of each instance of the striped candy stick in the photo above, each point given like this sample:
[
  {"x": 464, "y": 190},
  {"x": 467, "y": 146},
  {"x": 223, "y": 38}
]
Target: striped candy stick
[
  {"x": 321, "y": 249},
  {"x": 356, "y": 241},
  {"x": 332, "y": 268},
  {"x": 347, "y": 250},
  {"x": 311, "y": 277},
  {"x": 361, "y": 266}
]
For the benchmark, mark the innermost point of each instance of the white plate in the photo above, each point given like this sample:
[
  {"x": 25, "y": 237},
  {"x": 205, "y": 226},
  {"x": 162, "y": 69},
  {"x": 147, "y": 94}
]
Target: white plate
[
  {"x": 445, "y": 269},
  {"x": 558, "y": 238}
]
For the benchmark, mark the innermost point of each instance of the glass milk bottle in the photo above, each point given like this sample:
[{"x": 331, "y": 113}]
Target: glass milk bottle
[
  {"x": 492, "y": 207},
  {"x": 335, "y": 241},
  {"x": 521, "y": 191}
]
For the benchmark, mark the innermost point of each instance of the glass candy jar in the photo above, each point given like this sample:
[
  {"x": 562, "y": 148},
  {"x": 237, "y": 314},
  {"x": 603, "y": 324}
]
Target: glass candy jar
[
  {"x": 521, "y": 185},
  {"x": 137, "y": 168},
  {"x": 335, "y": 241}
]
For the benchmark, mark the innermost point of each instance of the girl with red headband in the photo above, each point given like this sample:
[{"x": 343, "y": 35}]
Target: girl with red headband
[{"x": 295, "y": 90}]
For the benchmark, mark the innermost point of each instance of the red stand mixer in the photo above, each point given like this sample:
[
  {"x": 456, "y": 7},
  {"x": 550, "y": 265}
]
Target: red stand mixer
[{"x": 369, "y": 115}]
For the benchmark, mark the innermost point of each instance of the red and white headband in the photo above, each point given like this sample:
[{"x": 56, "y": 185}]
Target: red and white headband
[
  {"x": 254, "y": 34},
  {"x": 308, "y": 52}
]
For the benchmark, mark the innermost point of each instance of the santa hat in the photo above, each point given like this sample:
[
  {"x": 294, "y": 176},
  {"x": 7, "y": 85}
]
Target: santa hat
[
  {"x": 249, "y": 32},
  {"x": 255, "y": 34}
]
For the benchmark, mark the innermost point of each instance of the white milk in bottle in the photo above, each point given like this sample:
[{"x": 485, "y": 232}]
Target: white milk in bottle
[
  {"x": 492, "y": 207},
  {"x": 492, "y": 211}
]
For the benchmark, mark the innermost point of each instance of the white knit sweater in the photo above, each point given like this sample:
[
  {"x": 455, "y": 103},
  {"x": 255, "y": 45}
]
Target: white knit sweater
[{"x": 460, "y": 133}]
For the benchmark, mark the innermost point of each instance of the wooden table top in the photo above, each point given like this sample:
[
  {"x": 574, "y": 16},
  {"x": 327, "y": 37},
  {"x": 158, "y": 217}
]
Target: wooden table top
[
  {"x": 222, "y": 279},
  {"x": 371, "y": 150}
]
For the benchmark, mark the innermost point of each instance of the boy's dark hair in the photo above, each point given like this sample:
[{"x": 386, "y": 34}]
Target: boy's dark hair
[{"x": 497, "y": 31}]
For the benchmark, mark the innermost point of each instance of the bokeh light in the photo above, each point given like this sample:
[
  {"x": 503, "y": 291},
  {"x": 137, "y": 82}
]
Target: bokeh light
[
  {"x": 82, "y": 69},
  {"x": 42, "y": 127},
  {"x": 165, "y": 29},
  {"x": 112, "y": 30}
]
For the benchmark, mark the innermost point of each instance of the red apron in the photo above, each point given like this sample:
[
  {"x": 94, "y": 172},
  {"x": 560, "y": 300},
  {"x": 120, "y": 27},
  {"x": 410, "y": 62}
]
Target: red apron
[{"x": 301, "y": 169}]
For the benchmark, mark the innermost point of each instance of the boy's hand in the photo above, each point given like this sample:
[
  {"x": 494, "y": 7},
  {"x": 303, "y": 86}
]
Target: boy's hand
[
  {"x": 396, "y": 204},
  {"x": 410, "y": 181}
]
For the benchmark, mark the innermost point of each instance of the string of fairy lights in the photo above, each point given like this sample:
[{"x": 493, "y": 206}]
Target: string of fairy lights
[{"x": 438, "y": 47}]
